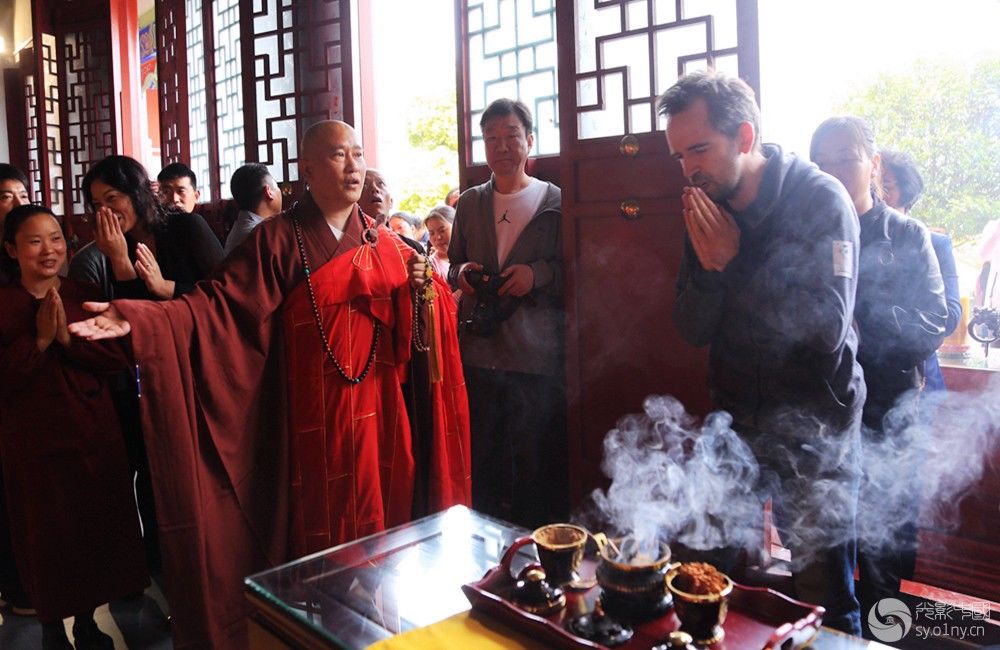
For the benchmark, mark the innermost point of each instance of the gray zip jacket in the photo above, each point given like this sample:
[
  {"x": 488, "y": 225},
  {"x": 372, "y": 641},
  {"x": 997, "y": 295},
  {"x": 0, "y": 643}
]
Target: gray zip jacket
[{"x": 530, "y": 341}]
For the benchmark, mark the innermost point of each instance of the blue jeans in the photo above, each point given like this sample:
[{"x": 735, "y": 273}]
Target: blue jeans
[{"x": 826, "y": 579}]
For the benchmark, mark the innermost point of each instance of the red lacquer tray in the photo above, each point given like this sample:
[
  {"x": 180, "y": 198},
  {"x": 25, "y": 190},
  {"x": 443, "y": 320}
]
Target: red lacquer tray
[{"x": 758, "y": 617}]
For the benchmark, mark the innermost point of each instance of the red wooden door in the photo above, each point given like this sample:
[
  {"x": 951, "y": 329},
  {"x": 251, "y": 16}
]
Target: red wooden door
[{"x": 621, "y": 203}]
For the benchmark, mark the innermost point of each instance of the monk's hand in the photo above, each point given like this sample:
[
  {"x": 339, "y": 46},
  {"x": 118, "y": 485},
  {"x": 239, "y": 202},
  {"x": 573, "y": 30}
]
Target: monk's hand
[
  {"x": 520, "y": 280},
  {"x": 110, "y": 240},
  {"x": 148, "y": 270},
  {"x": 713, "y": 232},
  {"x": 418, "y": 270},
  {"x": 62, "y": 333},
  {"x": 463, "y": 281},
  {"x": 47, "y": 320},
  {"x": 108, "y": 324}
]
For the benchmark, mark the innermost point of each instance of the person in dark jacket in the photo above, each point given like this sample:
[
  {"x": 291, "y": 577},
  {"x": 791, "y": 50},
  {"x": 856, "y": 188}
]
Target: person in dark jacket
[
  {"x": 140, "y": 250},
  {"x": 509, "y": 229},
  {"x": 767, "y": 280},
  {"x": 902, "y": 185},
  {"x": 13, "y": 192},
  {"x": 901, "y": 316}
]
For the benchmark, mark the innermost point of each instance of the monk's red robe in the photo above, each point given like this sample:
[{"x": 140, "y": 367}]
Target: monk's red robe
[
  {"x": 352, "y": 457},
  {"x": 68, "y": 490},
  {"x": 214, "y": 384}
]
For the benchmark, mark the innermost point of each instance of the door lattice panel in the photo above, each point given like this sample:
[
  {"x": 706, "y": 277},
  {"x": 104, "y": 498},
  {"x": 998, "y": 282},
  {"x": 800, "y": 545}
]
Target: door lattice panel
[
  {"x": 171, "y": 57},
  {"x": 512, "y": 53},
  {"x": 630, "y": 51},
  {"x": 88, "y": 122},
  {"x": 299, "y": 56}
]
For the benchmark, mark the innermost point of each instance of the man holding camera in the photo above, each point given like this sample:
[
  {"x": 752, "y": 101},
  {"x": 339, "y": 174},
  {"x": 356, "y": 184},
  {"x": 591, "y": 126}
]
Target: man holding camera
[{"x": 506, "y": 256}]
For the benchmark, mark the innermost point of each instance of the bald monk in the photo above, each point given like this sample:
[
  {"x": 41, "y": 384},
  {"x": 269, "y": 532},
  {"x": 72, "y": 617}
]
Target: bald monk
[{"x": 272, "y": 399}]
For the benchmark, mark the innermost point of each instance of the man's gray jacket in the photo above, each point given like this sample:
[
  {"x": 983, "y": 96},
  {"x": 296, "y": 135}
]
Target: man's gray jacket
[{"x": 530, "y": 341}]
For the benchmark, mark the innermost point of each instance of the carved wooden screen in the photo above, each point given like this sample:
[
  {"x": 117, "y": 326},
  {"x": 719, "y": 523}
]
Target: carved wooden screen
[
  {"x": 297, "y": 62},
  {"x": 34, "y": 146},
  {"x": 228, "y": 72},
  {"x": 87, "y": 119},
  {"x": 49, "y": 100},
  {"x": 301, "y": 61},
  {"x": 512, "y": 53},
  {"x": 171, "y": 60}
]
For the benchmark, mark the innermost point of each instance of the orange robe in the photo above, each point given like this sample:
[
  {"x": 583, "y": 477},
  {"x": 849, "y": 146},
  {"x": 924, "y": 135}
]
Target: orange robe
[
  {"x": 217, "y": 407},
  {"x": 352, "y": 453}
]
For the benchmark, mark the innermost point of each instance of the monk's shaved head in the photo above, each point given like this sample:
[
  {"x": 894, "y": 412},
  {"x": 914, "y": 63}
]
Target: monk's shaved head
[
  {"x": 320, "y": 133},
  {"x": 333, "y": 164}
]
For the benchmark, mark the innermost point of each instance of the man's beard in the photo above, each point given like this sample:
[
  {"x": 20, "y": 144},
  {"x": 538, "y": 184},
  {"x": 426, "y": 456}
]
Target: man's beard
[{"x": 720, "y": 192}]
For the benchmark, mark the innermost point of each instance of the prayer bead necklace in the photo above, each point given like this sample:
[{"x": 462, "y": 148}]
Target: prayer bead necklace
[
  {"x": 418, "y": 330},
  {"x": 319, "y": 320}
]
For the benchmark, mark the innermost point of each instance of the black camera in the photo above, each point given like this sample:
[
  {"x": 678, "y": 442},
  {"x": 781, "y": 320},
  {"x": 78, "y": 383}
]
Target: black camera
[
  {"x": 482, "y": 282},
  {"x": 490, "y": 309}
]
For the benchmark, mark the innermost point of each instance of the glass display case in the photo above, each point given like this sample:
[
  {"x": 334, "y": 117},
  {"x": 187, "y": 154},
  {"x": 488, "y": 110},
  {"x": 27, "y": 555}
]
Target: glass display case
[
  {"x": 358, "y": 593},
  {"x": 364, "y": 591}
]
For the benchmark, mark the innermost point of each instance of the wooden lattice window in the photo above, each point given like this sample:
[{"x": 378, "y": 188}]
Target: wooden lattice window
[
  {"x": 511, "y": 46},
  {"x": 297, "y": 59},
  {"x": 630, "y": 51},
  {"x": 88, "y": 129},
  {"x": 50, "y": 100},
  {"x": 34, "y": 170}
]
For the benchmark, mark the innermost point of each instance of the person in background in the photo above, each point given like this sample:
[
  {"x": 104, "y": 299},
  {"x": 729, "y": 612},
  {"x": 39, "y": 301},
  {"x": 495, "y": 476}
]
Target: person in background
[
  {"x": 902, "y": 185},
  {"x": 13, "y": 189},
  {"x": 404, "y": 224},
  {"x": 178, "y": 187},
  {"x": 376, "y": 202},
  {"x": 75, "y": 533},
  {"x": 258, "y": 197},
  {"x": 510, "y": 229},
  {"x": 451, "y": 199},
  {"x": 767, "y": 280},
  {"x": 13, "y": 193},
  {"x": 438, "y": 223},
  {"x": 140, "y": 251},
  {"x": 901, "y": 313}
]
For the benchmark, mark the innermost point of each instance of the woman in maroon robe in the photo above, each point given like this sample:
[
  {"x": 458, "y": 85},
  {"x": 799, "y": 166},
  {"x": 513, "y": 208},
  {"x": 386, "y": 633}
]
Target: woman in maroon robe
[{"x": 73, "y": 522}]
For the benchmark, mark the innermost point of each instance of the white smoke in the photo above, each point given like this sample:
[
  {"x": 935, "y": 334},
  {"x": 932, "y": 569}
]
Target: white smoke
[
  {"x": 935, "y": 447},
  {"x": 703, "y": 486},
  {"x": 675, "y": 481}
]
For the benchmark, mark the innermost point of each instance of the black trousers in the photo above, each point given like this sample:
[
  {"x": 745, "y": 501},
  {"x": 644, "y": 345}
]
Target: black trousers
[{"x": 519, "y": 451}]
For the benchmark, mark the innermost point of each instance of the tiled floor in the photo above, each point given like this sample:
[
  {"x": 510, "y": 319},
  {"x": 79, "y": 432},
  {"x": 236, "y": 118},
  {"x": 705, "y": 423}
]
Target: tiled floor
[{"x": 137, "y": 624}]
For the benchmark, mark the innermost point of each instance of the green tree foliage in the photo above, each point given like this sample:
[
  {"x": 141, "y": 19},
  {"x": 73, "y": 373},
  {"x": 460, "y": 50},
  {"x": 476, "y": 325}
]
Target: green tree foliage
[
  {"x": 433, "y": 134},
  {"x": 947, "y": 116}
]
